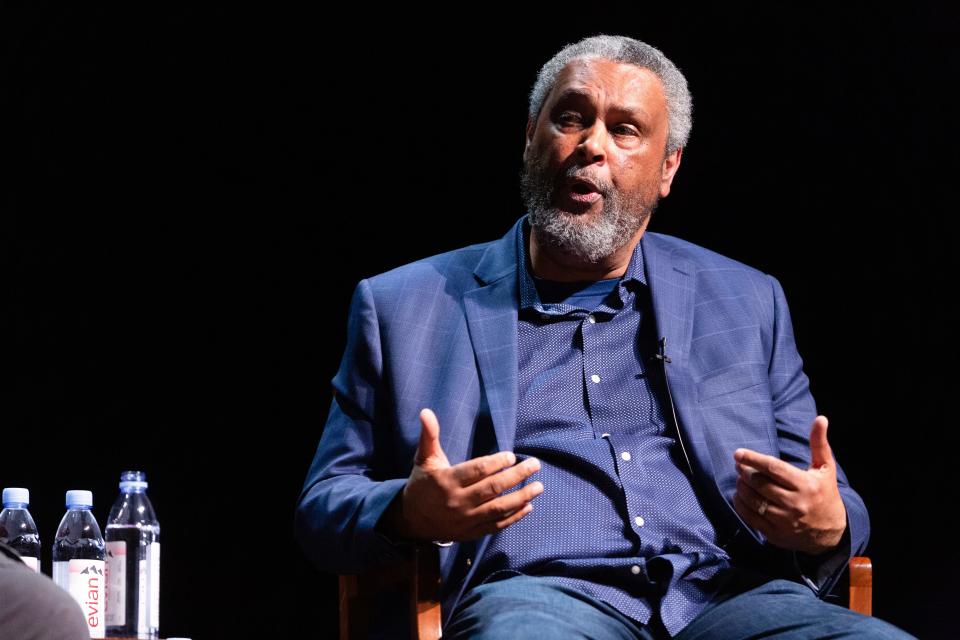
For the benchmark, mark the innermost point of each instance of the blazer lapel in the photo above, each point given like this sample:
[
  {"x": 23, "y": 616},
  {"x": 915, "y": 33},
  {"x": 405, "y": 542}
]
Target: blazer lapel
[
  {"x": 491, "y": 312},
  {"x": 672, "y": 281}
]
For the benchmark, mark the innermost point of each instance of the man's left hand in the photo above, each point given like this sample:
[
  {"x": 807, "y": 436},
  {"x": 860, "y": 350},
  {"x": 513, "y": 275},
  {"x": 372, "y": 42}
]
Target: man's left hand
[{"x": 795, "y": 509}]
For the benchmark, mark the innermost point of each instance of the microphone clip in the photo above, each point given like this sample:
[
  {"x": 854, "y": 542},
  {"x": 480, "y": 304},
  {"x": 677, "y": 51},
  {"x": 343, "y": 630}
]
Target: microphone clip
[{"x": 662, "y": 352}]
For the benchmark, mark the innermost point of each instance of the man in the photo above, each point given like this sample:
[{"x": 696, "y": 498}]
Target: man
[{"x": 673, "y": 480}]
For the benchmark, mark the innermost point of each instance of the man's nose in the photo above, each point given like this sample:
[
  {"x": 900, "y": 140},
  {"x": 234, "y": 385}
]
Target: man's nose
[{"x": 592, "y": 145}]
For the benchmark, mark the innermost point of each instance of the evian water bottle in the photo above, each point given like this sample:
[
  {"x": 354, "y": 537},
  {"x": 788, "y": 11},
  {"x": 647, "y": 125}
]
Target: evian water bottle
[
  {"x": 17, "y": 528},
  {"x": 78, "y": 559},
  {"x": 133, "y": 561}
]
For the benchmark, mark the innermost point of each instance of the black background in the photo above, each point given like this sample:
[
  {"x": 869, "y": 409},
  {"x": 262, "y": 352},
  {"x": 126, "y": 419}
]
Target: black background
[{"x": 190, "y": 195}]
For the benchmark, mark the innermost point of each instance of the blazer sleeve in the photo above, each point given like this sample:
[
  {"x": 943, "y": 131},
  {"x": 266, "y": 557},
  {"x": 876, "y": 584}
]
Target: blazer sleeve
[
  {"x": 344, "y": 494},
  {"x": 794, "y": 410}
]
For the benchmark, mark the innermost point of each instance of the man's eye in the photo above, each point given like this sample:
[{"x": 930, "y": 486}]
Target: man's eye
[
  {"x": 624, "y": 130},
  {"x": 568, "y": 117}
]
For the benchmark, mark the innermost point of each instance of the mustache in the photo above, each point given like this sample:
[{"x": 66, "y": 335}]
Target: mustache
[{"x": 603, "y": 185}]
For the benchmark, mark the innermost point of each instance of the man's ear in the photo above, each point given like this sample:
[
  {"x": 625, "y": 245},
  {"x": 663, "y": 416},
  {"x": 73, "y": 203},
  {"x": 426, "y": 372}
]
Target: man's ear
[
  {"x": 531, "y": 127},
  {"x": 669, "y": 169}
]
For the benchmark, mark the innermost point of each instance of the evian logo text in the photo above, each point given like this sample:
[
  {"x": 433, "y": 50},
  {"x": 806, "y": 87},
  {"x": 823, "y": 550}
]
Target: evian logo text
[{"x": 92, "y": 603}]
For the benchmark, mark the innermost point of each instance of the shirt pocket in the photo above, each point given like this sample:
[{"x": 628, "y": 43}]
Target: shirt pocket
[{"x": 730, "y": 380}]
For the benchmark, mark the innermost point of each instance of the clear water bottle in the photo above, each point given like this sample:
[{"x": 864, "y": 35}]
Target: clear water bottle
[
  {"x": 17, "y": 528},
  {"x": 78, "y": 560},
  {"x": 133, "y": 561}
]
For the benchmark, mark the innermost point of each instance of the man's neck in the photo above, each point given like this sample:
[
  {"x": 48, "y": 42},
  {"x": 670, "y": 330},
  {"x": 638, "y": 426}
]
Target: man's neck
[{"x": 554, "y": 264}]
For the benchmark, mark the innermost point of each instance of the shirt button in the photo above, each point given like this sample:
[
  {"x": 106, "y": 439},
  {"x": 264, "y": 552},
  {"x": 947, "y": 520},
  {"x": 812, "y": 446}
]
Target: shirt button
[
  {"x": 639, "y": 521},
  {"x": 635, "y": 569},
  {"x": 595, "y": 378},
  {"x": 591, "y": 319},
  {"x": 625, "y": 455},
  {"x": 469, "y": 562},
  {"x": 605, "y": 435}
]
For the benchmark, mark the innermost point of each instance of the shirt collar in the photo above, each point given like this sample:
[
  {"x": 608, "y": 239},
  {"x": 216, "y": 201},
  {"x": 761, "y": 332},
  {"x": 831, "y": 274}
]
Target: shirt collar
[{"x": 529, "y": 298}]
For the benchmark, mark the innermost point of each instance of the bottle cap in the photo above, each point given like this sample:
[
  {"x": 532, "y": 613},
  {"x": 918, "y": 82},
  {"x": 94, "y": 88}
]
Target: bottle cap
[
  {"x": 133, "y": 481},
  {"x": 78, "y": 498},
  {"x": 16, "y": 495}
]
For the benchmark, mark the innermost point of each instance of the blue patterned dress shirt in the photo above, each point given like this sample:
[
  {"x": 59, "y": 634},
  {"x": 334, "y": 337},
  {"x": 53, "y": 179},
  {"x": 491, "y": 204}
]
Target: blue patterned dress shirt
[{"x": 618, "y": 518}]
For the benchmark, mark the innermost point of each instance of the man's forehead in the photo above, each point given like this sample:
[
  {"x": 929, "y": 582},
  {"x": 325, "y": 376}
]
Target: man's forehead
[{"x": 628, "y": 86}]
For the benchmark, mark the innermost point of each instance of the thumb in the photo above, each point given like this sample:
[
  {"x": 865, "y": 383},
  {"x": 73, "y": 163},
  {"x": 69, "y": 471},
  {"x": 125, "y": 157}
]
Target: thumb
[
  {"x": 429, "y": 450},
  {"x": 820, "y": 453}
]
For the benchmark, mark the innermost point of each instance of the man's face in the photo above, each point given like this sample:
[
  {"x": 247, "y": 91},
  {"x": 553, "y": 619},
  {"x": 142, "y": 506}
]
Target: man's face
[{"x": 594, "y": 165}]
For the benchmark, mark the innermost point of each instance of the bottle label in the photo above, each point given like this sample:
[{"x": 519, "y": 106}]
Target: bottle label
[
  {"x": 147, "y": 586},
  {"x": 142, "y": 596},
  {"x": 84, "y": 580},
  {"x": 153, "y": 556},
  {"x": 116, "y": 579},
  {"x": 33, "y": 563}
]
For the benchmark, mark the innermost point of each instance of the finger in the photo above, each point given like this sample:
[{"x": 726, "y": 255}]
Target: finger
[
  {"x": 429, "y": 448},
  {"x": 764, "y": 485},
  {"x": 476, "y": 469},
  {"x": 503, "y": 506},
  {"x": 493, "y": 527},
  {"x": 773, "y": 511},
  {"x": 750, "y": 516},
  {"x": 821, "y": 456},
  {"x": 782, "y": 473},
  {"x": 492, "y": 486}
]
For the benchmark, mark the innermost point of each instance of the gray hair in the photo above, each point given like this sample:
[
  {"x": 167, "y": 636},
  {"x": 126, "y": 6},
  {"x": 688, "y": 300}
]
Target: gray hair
[{"x": 630, "y": 51}]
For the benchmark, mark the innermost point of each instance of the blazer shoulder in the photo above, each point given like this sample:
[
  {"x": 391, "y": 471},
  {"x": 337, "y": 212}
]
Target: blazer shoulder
[
  {"x": 713, "y": 269},
  {"x": 719, "y": 277},
  {"x": 702, "y": 258}
]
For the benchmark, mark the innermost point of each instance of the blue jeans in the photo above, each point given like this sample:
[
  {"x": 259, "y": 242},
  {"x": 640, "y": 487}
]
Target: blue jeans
[{"x": 525, "y": 607}]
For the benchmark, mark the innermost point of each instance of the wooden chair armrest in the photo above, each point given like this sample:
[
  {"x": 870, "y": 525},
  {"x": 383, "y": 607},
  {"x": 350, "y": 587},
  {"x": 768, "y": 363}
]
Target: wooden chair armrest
[
  {"x": 425, "y": 599},
  {"x": 861, "y": 585},
  {"x": 420, "y": 574}
]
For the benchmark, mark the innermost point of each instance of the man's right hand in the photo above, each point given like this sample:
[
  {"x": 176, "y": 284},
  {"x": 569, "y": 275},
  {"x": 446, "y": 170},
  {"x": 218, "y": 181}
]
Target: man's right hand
[{"x": 462, "y": 502}]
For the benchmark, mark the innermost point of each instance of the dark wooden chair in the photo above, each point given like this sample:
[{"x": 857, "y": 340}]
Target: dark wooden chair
[{"x": 421, "y": 575}]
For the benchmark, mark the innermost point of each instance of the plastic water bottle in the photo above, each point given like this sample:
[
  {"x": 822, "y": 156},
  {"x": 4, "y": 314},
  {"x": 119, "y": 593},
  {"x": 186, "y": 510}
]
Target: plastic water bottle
[
  {"x": 78, "y": 559},
  {"x": 17, "y": 528},
  {"x": 133, "y": 561}
]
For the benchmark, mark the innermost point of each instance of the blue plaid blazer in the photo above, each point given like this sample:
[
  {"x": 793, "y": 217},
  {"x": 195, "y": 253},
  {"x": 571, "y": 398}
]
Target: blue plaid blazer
[{"x": 442, "y": 333}]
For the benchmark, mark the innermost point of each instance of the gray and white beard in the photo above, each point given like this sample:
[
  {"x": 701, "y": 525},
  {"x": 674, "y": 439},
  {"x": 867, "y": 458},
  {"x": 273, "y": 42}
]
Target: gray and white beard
[{"x": 620, "y": 218}]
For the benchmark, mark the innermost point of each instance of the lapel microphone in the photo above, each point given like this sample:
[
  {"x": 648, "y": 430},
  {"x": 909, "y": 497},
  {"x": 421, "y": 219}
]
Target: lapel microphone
[
  {"x": 664, "y": 359},
  {"x": 662, "y": 352}
]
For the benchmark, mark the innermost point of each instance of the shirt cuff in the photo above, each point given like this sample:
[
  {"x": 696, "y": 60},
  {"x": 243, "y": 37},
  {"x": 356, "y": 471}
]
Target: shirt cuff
[{"x": 392, "y": 547}]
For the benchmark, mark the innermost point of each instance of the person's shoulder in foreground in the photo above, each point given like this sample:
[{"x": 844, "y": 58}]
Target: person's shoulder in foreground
[{"x": 32, "y": 607}]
